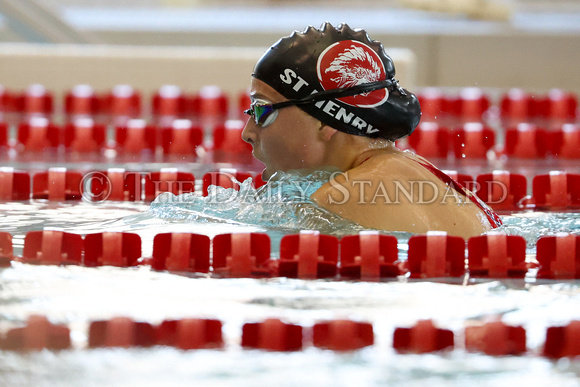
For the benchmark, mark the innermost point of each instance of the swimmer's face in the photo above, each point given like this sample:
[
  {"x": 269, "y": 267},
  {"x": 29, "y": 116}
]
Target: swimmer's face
[{"x": 291, "y": 141}]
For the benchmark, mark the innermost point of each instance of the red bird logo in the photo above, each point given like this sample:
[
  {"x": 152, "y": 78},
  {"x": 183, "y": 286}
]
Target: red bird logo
[
  {"x": 354, "y": 66},
  {"x": 350, "y": 63}
]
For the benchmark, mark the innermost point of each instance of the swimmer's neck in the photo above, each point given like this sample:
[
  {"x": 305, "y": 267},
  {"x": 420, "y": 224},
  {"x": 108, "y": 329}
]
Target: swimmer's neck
[{"x": 371, "y": 152}]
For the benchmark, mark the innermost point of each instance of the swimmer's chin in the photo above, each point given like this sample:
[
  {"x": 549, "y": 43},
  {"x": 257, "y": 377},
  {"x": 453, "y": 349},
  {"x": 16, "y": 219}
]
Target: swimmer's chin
[{"x": 266, "y": 175}]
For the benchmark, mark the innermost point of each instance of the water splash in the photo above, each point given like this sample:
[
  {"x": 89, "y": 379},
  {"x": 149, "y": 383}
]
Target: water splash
[
  {"x": 283, "y": 204},
  {"x": 534, "y": 225}
]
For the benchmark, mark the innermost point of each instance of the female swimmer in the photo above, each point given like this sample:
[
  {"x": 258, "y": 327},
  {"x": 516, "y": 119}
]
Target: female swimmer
[{"x": 328, "y": 98}]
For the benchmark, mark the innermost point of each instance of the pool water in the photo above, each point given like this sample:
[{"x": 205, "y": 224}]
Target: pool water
[
  {"x": 78, "y": 295},
  {"x": 75, "y": 295}
]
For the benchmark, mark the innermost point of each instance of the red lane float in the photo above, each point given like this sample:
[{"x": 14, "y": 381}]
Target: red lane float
[
  {"x": 497, "y": 255},
  {"x": 51, "y": 247},
  {"x": 4, "y": 133},
  {"x": 565, "y": 143},
  {"x": 560, "y": 106},
  {"x": 169, "y": 101},
  {"x": 430, "y": 140},
  {"x": 135, "y": 137},
  {"x": 228, "y": 144},
  {"x": 502, "y": 190},
  {"x": 121, "y": 332},
  {"x": 342, "y": 335},
  {"x": 113, "y": 184},
  {"x": 563, "y": 341},
  {"x": 272, "y": 335},
  {"x": 83, "y": 135},
  {"x": 6, "y": 251},
  {"x": 35, "y": 100},
  {"x": 526, "y": 141},
  {"x": 8, "y": 101},
  {"x": 496, "y": 339},
  {"x": 168, "y": 180},
  {"x": 121, "y": 249},
  {"x": 181, "y": 252},
  {"x": 258, "y": 182},
  {"x": 38, "y": 134},
  {"x": 38, "y": 334},
  {"x": 190, "y": 333},
  {"x": 369, "y": 256},
  {"x": 424, "y": 337},
  {"x": 14, "y": 185},
  {"x": 556, "y": 190},
  {"x": 436, "y": 254},
  {"x": 242, "y": 255},
  {"x": 433, "y": 104},
  {"x": 81, "y": 101},
  {"x": 181, "y": 137},
  {"x": 516, "y": 106},
  {"x": 210, "y": 103},
  {"x": 472, "y": 141},
  {"x": 559, "y": 256},
  {"x": 308, "y": 255},
  {"x": 121, "y": 103},
  {"x": 471, "y": 104},
  {"x": 228, "y": 137},
  {"x": 57, "y": 184}
]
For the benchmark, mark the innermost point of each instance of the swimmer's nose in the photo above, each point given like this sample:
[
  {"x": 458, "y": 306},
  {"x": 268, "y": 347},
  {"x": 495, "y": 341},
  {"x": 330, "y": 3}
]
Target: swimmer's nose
[{"x": 249, "y": 134}]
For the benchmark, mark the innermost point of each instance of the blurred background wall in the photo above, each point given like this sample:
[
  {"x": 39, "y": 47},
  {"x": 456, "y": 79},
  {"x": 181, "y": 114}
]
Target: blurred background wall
[{"x": 532, "y": 44}]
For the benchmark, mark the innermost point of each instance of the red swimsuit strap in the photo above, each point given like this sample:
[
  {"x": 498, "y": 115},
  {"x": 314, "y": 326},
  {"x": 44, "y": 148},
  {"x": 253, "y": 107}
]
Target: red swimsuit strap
[{"x": 493, "y": 218}]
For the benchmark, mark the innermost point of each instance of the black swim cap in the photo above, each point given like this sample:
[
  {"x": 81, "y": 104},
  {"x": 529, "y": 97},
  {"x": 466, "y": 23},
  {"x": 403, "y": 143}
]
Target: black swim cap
[{"x": 336, "y": 58}]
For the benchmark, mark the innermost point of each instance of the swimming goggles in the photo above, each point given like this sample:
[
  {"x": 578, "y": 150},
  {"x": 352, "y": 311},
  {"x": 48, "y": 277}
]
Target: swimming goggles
[{"x": 265, "y": 113}]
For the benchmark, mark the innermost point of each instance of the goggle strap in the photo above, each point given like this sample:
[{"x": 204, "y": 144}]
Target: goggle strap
[
  {"x": 340, "y": 93},
  {"x": 334, "y": 93}
]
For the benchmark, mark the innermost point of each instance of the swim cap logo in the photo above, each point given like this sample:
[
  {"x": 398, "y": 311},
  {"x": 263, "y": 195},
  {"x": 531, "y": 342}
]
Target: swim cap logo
[{"x": 349, "y": 63}]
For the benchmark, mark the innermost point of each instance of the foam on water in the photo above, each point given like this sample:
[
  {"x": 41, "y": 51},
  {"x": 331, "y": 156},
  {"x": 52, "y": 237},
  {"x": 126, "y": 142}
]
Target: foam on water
[
  {"x": 283, "y": 204},
  {"x": 533, "y": 225}
]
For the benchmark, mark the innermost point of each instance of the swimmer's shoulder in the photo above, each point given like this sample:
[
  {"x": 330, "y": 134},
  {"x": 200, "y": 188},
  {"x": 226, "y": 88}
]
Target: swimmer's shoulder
[
  {"x": 367, "y": 194},
  {"x": 374, "y": 176},
  {"x": 361, "y": 194}
]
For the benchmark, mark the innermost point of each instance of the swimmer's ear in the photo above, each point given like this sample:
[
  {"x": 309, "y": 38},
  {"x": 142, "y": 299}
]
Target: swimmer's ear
[{"x": 326, "y": 132}]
